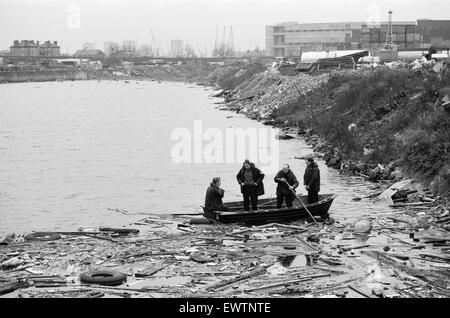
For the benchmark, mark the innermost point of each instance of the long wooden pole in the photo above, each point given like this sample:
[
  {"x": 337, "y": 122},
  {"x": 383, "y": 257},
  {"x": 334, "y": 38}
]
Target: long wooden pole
[{"x": 304, "y": 206}]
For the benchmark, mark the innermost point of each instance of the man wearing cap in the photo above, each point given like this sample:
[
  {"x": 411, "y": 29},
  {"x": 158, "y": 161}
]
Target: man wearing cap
[
  {"x": 250, "y": 179},
  {"x": 311, "y": 180},
  {"x": 287, "y": 182}
]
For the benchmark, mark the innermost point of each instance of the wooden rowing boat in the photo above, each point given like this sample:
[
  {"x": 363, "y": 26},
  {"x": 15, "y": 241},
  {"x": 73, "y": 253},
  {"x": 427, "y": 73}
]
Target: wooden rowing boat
[{"x": 268, "y": 212}]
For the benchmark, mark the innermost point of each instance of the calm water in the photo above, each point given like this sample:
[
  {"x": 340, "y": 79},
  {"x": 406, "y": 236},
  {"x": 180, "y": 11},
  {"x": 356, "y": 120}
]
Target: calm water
[{"x": 74, "y": 153}]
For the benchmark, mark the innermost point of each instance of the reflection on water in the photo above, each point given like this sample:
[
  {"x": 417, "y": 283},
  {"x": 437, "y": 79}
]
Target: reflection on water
[{"x": 99, "y": 153}]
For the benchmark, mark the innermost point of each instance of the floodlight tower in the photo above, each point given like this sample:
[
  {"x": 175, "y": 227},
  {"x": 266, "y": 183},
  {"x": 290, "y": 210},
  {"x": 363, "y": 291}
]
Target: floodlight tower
[{"x": 389, "y": 35}]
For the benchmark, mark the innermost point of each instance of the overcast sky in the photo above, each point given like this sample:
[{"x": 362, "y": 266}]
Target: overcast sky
[{"x": 73, "y": 22}]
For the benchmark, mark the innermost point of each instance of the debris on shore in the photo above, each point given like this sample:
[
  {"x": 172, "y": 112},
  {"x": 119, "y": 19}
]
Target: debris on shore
[{"x": 391, "y": 255}]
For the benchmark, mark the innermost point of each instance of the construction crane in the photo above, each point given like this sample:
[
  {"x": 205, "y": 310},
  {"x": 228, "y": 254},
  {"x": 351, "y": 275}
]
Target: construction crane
[
  {"x": 226, "y": 46},
  {"x": 223, "y": 36},
  {"x": 231, "y": 43},
  {"x": 155, "y": 47},
  {"x": 161, "y": 51},
  {"x": 216, "y": 42}
]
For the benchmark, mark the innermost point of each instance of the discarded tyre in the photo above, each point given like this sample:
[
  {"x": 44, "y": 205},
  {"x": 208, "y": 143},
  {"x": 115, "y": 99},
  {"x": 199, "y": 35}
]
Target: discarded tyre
[
  {"x": 42, "y": 236},
  {"x": 103, "y": 277}
]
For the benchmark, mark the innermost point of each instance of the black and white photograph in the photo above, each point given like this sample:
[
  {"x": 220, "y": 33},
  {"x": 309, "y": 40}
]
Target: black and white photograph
[{"x": 245, "y": 152}]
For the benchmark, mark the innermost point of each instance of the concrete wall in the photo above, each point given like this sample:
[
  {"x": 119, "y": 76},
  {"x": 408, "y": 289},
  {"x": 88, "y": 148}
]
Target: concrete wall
[{"x": 41, "y": 76}]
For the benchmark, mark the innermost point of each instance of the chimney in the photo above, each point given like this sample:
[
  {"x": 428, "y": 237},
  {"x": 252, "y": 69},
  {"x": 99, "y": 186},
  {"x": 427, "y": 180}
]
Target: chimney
[
  {"x": 16, "y": 42},
  {"x": 37, "y": 43},
  {"x": 55, "y": 42}
]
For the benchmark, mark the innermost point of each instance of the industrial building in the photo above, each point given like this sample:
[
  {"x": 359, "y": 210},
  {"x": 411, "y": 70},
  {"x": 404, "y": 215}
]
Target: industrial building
[
  {"x": 111, "y": 48},
  {"x": 27, "y": 48},
  {"x": 291, "y": 38},
  {"x": 434, "y": 32},
  {"x": 404, "y": 36}
]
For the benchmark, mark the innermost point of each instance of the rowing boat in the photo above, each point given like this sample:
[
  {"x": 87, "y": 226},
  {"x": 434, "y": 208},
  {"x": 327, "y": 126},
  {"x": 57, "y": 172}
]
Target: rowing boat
[{"x": 269, "y": 213}]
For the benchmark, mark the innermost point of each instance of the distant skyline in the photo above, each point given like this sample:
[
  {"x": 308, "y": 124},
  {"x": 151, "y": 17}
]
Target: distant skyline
[{"x": 73, "y": 22}]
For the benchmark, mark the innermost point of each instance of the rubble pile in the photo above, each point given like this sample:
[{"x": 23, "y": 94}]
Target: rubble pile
[
  {"x": 266, "y": 92},
  {"x": 219, "y": 73}
]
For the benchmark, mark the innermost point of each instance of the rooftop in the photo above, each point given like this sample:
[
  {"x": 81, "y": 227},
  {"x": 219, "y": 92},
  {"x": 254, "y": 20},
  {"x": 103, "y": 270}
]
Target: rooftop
[{"x": 88, "y": 52}]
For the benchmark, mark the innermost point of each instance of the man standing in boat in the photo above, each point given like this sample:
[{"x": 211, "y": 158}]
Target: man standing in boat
[
  {"x": 311, "y": 180},
  {"x": 287, "y": 182},
  {"x": 214, "y": 195},
  {"x": 250, "y": 179}
]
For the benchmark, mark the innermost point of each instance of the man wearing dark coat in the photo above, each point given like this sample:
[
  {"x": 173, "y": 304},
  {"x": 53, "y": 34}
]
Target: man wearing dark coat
[
  {"x": 214, "y": 195},
  {"x": 311, "y": 180},
  {"x": 250, "y": 179},
  {"x": 285, "y": 191}
]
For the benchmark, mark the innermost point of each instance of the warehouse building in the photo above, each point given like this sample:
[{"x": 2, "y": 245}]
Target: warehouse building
[{"x": 291, "y": 38}]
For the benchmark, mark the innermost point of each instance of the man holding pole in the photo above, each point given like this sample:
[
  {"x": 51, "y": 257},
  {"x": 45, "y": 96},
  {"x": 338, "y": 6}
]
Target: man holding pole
[{"x": 287, "y": 182}]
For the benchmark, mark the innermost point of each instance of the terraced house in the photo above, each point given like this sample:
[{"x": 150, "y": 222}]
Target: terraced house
[{"x": 27, "y": 48}]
